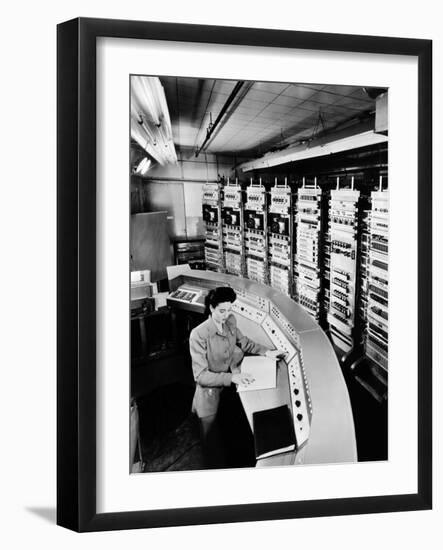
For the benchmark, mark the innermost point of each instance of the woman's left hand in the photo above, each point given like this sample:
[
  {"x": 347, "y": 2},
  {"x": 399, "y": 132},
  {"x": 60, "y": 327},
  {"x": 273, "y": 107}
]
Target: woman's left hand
[{"x": 275, "y": 353}]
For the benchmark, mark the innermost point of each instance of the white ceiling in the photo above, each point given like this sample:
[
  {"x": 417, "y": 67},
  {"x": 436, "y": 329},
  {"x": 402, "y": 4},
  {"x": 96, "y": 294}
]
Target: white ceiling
[{"x": 264, "y": 115}]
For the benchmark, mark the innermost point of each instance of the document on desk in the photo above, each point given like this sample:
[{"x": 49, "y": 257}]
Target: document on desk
[{"x": 264, "y": 371}]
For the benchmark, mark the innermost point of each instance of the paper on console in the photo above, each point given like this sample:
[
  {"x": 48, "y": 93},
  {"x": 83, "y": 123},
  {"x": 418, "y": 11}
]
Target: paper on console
[{"x": 264, "y": 371}]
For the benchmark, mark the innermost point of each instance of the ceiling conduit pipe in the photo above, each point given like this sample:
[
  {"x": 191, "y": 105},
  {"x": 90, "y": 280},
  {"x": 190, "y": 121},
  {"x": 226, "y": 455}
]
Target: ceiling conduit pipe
[{"x": 225, "y": 107}]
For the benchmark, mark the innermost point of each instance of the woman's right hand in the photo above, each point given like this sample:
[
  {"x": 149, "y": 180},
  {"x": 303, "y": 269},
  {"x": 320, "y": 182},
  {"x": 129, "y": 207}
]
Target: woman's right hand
[{"x": 242, "y": 378}]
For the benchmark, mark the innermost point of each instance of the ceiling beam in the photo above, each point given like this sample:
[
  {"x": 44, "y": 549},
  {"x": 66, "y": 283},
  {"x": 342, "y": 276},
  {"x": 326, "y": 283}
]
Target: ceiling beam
[{"x": 225, "y": 107}]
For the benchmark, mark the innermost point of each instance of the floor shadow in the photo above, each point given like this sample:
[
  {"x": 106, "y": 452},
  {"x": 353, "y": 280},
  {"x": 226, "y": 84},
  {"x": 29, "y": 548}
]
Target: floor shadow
[{"x": 49, "y": 514}]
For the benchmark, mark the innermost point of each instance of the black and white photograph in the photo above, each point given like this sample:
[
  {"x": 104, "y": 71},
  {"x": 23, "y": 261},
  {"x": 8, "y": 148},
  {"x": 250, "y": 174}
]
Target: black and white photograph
[{"x": 259, "y": 270}]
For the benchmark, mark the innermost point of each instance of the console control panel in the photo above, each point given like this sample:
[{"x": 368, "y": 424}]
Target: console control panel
[
  {"x": 185, "y": 294},
  {"x": 300, "y": 400},
  {"x": 279, "y": 330}
]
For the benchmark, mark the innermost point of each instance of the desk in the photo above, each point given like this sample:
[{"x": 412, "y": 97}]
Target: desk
[{"x": 332, "y": 434}]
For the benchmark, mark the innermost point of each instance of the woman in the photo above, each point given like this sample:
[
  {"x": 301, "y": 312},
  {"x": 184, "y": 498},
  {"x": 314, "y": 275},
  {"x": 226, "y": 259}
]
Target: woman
[{"x": 217, "y": 347}]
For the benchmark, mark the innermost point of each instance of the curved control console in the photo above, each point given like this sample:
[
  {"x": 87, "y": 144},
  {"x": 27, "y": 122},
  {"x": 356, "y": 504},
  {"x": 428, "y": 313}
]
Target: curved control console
[
  {"x": 309, "y": 379},
  {"x": 274, "y": 326}
]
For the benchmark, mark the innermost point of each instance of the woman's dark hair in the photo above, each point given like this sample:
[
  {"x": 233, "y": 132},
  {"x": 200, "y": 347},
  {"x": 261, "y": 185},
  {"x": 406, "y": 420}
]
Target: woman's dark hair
[{"x": 218, "y": 296}]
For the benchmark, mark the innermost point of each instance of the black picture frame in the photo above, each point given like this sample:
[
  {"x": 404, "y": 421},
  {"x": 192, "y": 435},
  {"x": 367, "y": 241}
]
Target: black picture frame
[{"x": 76, "y": 265}]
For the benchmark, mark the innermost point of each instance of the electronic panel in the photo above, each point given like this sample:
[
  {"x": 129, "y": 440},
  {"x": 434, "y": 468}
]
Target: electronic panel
[
  {"x": 254, "y": 299},
  {"x": 326, "y": 272},
  {"x": 278, "y": 337},
  {"x": 343, "y": 219},
  {"x": 308, "y": 252},
  {"x": 300, "y": 400},
  {"x": 211, "y": 206},
  {"x": 376, "y": 341},
  {"x": 280, "y": 223},
  {"x": 249, "y": 312},
  {"x": 294, "y": 289},
  {"x": 285, "y": 325},
  {"x": 232, "y": 224},
  {"x": 256, "y": 238},
  {"x": 364, "y": 247}
]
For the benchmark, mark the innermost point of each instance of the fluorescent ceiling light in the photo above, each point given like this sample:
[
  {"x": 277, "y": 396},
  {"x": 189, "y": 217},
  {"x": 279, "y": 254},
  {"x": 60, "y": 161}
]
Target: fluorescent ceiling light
[
  {"x": 150, "y": 121},
  {"x": 143, "y": 166},
  {"x": 301, "y": 152}
]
